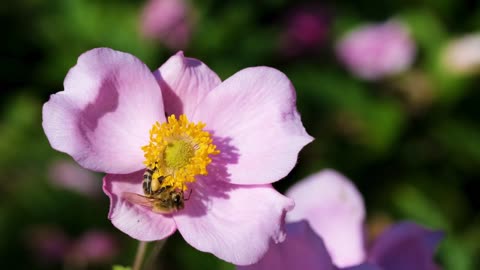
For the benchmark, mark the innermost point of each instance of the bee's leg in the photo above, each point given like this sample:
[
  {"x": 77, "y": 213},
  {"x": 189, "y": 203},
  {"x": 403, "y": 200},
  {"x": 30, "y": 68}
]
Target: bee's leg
[{"x": 162, "y": 189}]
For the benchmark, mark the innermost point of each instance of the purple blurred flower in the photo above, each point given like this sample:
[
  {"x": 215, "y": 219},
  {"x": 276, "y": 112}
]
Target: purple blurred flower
[
  {"x": 462, "y": 56},
  {"x": 69, "y": 175},
  {"x": 302, "y": 249},
  {"x": 306, "y": 29},
  {"x": 375, "y": 51},
  {"x": 333, "y": 207},
  {"x": 49, "y": 244},
  {"x": 95, "y": 247},
  {"x": 405, "y": 245},
  {"x": 168, "y": 22}
]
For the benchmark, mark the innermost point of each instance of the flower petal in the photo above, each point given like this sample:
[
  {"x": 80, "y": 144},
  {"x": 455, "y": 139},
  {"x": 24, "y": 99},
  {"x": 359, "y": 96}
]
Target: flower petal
[
  {"x": 235, "y": 223},
  {"x": 137, "y": 221},
  {"x": 336, "y": 212},
  {"x": 184, "y": 82},
  {"x": 103, "y": 116},
  {"x": 255, "y": 111},
  {"x": 302, "y": 249},
  {"x": 406, "y": 246}
]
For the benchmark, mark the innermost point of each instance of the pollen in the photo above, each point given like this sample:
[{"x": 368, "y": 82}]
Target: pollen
[{"x": 178, "y": 151}]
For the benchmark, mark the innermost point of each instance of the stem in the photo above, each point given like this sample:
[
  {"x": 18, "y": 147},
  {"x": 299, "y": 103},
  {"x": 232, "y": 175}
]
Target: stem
[
  {"x": 142, "y": 247},
  {"x": 153, "y": 257}
]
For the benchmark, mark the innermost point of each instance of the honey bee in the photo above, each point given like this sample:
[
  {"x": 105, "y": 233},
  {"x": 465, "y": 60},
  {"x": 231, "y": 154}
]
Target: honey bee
[{"x": 164, "y": 200}]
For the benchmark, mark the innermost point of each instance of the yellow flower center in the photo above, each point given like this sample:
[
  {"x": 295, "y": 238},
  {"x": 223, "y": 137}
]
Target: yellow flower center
[{"x": 178, "y": 151}]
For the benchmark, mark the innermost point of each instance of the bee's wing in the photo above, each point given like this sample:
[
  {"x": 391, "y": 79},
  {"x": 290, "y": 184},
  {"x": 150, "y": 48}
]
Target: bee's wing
[{"x": 137, "y": 199}]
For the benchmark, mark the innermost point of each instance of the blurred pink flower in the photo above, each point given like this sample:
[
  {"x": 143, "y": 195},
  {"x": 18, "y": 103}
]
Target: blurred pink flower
[
  {"x": 103, "y": 118},
  {"x": 49, "y": 244},
  {"x": 69, "y": 175},
  {"x": 168, "y": 22},
  {"x": 462, "y": 55},
  {"x": 331, "y": 205},
  {"x": 95, "y": 247},
  {"x": 306, "y": 30},
  {"x": 372, "y": 52}
]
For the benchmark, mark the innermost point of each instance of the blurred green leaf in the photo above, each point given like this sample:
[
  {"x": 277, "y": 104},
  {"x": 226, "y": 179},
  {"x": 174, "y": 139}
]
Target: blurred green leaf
[
  {"x": 462, "y": 141},
  {"x": 414, "y": 204},
  {"x": 372, "y": 120},
  {"x": 119, "y": 267}
]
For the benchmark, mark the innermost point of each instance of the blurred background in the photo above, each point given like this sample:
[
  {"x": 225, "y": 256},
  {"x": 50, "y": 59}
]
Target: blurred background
[{"x": 389, "y": 89}]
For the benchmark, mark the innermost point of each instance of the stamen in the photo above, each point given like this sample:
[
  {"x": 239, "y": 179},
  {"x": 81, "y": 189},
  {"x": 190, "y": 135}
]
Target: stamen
[{"x": 178, "y": 151}]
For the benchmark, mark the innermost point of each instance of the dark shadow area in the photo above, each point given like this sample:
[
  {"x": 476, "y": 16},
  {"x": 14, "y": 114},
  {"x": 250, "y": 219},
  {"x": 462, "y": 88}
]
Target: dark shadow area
[{"x": 105, "y": 102}]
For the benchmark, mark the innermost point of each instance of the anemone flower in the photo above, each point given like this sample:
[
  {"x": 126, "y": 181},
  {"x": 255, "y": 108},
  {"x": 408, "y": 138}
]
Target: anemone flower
[
  {"x": 375, "y": 51},
  {"x": 206, "y": 148},
  {"x": 325, "y": 231}
]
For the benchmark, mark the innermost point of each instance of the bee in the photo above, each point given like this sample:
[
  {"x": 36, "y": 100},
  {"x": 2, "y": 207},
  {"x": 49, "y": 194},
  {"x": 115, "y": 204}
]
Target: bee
[{"x": 164, "y": 200}]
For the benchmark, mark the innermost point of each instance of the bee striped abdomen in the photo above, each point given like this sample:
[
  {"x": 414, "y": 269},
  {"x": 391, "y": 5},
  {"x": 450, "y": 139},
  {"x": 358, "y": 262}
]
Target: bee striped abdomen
[{"x": 147, "y": 182}]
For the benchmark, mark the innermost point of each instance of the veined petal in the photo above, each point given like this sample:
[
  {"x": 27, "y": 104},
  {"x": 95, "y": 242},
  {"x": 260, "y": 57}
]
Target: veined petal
[
  {"x": 336, "y": 212},
  {"x": 255, "y": 111},
  {"x": 184, "y": 82},
  {"x": 302, "y": 249},
  {"x": 406, "y": 246},
  {"x": 235, "y": 223},
  {"x": 139, "y": 222},
  {"x": 103, "y": 116}
]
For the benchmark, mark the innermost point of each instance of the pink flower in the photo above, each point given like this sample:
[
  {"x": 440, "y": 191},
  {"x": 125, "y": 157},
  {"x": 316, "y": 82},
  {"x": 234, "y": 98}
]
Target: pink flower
[
  {"x": 306, "y": 30},
  {"x": 375, "y": 51},
  {"x": 221, "y": 147},
  {"x": 94, "y": 247},
  {"x": 167, "y": 21},
  {"x": 462, "y": 55},
  {"x": 48, "y": 243},
  {"x": 69, "y": 175},
  {"x": 52, "y": 245},
  {"x": 325, "y": 231}
]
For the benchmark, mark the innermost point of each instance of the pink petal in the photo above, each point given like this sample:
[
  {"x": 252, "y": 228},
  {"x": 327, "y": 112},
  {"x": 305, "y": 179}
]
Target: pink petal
[
  {"x": 406, "y": 246},
  {"x": 137, "y": 221},
  {"x": 336, "y": 212},
  {"x": 184, "y": 82},
  {"x": 235, "y": 223},
  {"x": 302, "y": 249},
  {"x": 102, "y": 118},
  {"x": 253, "y": 113}
]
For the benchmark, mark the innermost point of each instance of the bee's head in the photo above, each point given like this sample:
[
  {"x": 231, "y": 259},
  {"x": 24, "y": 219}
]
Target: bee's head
[{"x": 177, "y": 199}]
